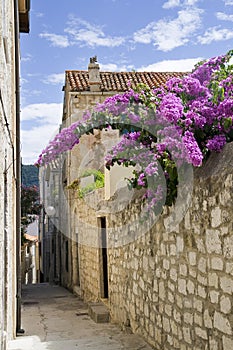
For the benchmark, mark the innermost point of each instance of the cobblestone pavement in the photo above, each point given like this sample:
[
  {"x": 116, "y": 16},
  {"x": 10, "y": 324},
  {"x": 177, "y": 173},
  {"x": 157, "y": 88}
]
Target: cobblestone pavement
[{"x": 55, "y": 319}]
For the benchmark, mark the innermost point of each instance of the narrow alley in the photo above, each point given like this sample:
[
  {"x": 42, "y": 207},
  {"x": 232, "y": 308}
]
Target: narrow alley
[{"x": 55, "y": 319}]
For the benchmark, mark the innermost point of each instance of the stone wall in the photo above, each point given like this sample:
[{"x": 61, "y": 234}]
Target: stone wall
[
  {"x": 87, "y": 241},
  {"x": 7, "y": 176},
  {"x": 173, "y": 288},
  {"x": 176, "y": 289}
]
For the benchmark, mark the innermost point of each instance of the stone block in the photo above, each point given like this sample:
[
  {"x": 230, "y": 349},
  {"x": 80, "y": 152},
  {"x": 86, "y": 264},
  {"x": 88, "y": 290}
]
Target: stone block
[
  {"x": 146, "y": 310},
  {"x": 190, "y": 287},
  {"x": 183, "y": 270},
  {"x": 173, "y": 250},
  {"x": 198, "y": 305},
  {"x": 166, "y": 325},
  {"x": 198, "y": 319},
  {"x": 214, "y": 344},
  {"x": 217, "y": 263},
  {"x": 177, "y": 316},
  {"x": 222, "y": 323},
  {"x": 187, "y": 335},
  {"x": 201, "y": 333},
  {"x": 171, "y": 297},
  {"x": 229, "y": 268},
  {"x": 192, "y": 258},
  {"x": 213, "y": 279},
  {"x": 174, "y": 327},
  {"x": 173, "y": 274},
  {"x": 202, "y": 265},
  {"x": 188, "y": 318},
  {"x": 213, "y": 242},
  {"x": 98, "y": 312},
  {"x": 201, "y": 291},
  {"x": 168, "y": 310},
  {"x": 171, "y": 286},
  {"x": 207, "y": 319},
  {"x": 179, "y": 244},
  {"x": 166, "y": 264},
  {"x": 182, "y": 286},
  {"x": 216, "y": 217},
  {"x": 226, "y": 284},
  {"x": 225, "y": 305},
  {"x": 162, "y": 292},
  {"x": 202, "y": 280},
  {"x": 227, "y": 343},
  {"x": 228, "y": 247}
]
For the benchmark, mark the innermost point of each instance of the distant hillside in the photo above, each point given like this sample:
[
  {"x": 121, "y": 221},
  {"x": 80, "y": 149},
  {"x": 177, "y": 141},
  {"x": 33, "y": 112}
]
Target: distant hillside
[{"x": 29, "y": 175}]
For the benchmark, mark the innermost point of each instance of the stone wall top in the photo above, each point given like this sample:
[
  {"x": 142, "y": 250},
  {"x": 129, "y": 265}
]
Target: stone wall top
[{"x": 217, "y": 163}]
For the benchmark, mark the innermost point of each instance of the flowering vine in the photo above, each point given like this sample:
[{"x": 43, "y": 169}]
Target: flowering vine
[{"x": 163, "y": 128}]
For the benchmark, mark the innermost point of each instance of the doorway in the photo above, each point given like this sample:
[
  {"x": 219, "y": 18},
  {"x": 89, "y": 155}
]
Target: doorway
[{"x": 103, "y": 259}]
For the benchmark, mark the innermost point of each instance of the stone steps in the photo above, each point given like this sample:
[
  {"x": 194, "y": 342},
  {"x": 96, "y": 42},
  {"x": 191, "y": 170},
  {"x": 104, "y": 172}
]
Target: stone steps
[{"x": 98, "y": 312}]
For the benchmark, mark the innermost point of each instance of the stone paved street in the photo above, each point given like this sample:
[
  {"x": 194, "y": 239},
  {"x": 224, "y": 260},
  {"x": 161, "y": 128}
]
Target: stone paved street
[{"x": 55, "y": 319}]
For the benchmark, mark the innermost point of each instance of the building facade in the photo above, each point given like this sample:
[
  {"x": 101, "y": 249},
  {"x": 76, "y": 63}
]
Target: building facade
[
  {"x": 59, "y": 236},
  {"x": 13, "y": 19}
]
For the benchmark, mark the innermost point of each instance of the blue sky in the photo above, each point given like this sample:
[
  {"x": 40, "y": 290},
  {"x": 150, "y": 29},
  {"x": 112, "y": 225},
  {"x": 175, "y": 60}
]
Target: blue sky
[{"x": 152, "y": 35}]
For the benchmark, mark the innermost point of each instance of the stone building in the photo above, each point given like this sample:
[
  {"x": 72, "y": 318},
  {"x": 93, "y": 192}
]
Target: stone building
[
  {"x": 14, "y": 18},
  {"x": 82, "y": 91},
  {"x": 30, "y": 257}
]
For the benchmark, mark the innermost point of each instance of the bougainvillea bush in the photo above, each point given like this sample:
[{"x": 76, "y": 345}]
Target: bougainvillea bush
[{"x": 163, "y": 128}]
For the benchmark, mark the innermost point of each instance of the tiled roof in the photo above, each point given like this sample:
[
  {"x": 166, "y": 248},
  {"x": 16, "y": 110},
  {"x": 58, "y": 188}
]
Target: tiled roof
[{"x": 118, "y": 81}]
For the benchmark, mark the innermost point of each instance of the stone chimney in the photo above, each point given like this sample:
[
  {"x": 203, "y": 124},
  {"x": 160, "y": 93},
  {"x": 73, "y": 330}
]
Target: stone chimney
[{"x": 94, "y": 74}]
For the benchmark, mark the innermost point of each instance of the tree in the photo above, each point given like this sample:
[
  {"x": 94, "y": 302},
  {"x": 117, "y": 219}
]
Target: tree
[{"x": 30, "y": 207}]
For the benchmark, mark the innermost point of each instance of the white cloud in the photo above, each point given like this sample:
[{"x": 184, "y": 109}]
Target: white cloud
[
  {"x": 109, "y": 67},
  {"x": 23, "y": 81},
  {"x": 83, "y": 33},
  {"x": 26, "y": 58},
  {"x": 48, "y": 116},
  {"x": 35, "y": 140},
  {"x": 171, "y": 3},
  {"x": 215, "y": 34},
  {"x": 35, "y": 92},
  {"x": 56, "y": 40},
  {"x": 55, "y": 79},
  {"x": 45, "y": 112},
  {"x": 39, "y": 14},
  {"x": 224, "y": 17},
  {"x": 113, "y": 67},
  {"x": 175, "y": 3},
  {"x": 190, "y": 2},
  {"x": 87, "y": 34},
  {"x": 228, "y": 2},
  {"x": 167, "y": 35},
  {"x": 182, "y": 65}
]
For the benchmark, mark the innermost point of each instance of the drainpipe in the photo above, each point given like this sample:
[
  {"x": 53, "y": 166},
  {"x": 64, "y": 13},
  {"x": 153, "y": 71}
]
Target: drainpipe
[{"x": 17, "y": 172}]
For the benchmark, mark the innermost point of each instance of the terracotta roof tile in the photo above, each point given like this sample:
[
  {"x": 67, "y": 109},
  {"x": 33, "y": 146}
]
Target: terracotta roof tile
[{"x": 117, "y": 81}]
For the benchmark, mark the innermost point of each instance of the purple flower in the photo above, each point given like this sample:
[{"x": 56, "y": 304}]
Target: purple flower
[
  {"x": 141, "y": 180},
  {"x": 194, "y": 153},
  {"x": 216, "y": 143},
  {"x": 171, "y": 108}
]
